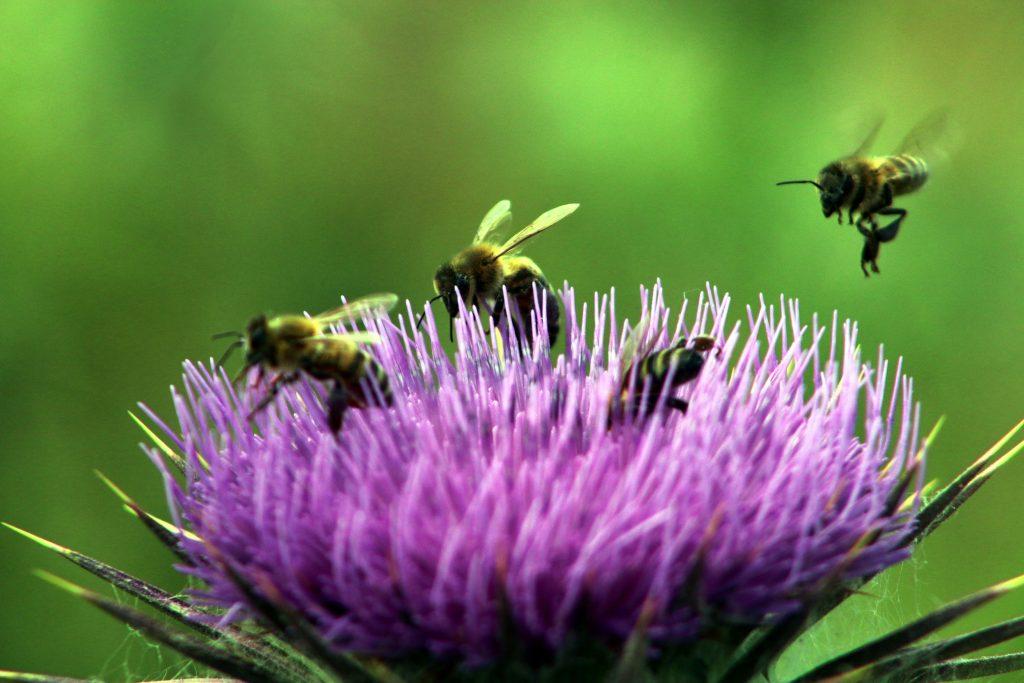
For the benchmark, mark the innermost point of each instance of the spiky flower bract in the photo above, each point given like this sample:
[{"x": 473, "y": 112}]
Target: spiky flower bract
[{"x": 497, "y": 502}]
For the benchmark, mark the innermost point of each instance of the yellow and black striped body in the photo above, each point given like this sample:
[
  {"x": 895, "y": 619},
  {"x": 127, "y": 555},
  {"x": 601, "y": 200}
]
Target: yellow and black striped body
[
  {"x": 291, "y": 345},
  {"x": 341, "y": 360},
  {"x": 519, "y": 276},
  {"x": 277, "y": 342},
  {"x": 875, "y": 181},
  {"x": 904, "y": 172},
  {"x": 865, "y": 187},
  {"x": 676, "y": 364}
]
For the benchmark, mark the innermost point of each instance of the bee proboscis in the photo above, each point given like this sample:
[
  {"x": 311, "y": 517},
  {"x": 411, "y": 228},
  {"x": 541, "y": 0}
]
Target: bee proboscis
[{"x": 292, "y": 345}]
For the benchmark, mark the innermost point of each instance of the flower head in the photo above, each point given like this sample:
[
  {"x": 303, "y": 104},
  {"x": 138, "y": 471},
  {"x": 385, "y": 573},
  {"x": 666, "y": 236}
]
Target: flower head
[{"x": 495, "y": 495}]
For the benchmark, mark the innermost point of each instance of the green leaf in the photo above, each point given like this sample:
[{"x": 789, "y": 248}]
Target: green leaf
[
  {"x": 170, "y": 605},
  {"x": 632, "y": 665},
  {"x": 174, "y": 457},
  {"x": 165, "y": 532},
  {"x": 904, "y": 666},
  {"x": 966, "y": 669},
  {"x": 208, "y": 654},
  {"x": 890, "y": 643},
  {"x": 971, "y": 489},
  {"x": 36, "y": 678},
  {"x": 765, "y": 647},
  {"x": 175, "y": 607},
  {"x": 960, "y": 489}
]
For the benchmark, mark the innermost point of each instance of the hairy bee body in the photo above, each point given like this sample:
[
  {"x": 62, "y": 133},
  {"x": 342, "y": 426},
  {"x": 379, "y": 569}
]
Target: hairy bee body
[
  {"x": 663, "y": 369},
  {"x": 865, "y": 186},
  {"x": 905, "y": 172},
  {"x": 477, "y": 274},
  {"x": 876, "y": 181},
  {"x": 277, "y": 343},
  {"x": 520, "y": 275},
  {"x": 344, "y": 362},
  {"x": 292, "y": 345}
]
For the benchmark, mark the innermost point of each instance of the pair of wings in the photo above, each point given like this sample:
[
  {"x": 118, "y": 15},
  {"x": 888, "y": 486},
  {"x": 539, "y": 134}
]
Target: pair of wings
[
  {"x": 501, "y": 215},
  {"x": 353, "y": 311},
  {"x": 920, "y": 141}
]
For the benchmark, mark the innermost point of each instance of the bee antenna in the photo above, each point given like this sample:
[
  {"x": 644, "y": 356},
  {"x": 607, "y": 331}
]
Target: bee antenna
[
  {"x": 423, "y": 315},
  {"x": 231, "y": 333},
  {"x": 241, "y": 374},
  {"x": 228, "y": 351},
  {"x": 451, "y": 328},
  {"x": 798, "y": 182}
]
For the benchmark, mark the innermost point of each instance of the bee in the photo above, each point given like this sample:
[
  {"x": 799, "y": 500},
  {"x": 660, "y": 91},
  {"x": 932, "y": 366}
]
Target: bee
[
  {"x": 292, "y": 345},
  {"x": 867, "y": 186},
  {"x": 477, "y": 273},
  {"x": 646, "y": 374}
]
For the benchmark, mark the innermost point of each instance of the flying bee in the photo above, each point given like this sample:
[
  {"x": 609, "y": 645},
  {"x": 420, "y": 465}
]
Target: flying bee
[
  {"x": 866, "y": 185},
  {"x": 646, "y": 374},
  {"x": 477, "y": 273},
  {"x": 295, "y": 344}
]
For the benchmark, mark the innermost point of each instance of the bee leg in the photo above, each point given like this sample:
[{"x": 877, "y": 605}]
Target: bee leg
[
  {"x": 869, "y": 254},
  {"x": 678, "y": 404},
  {"x": 889, "y": 232},
  {"x": 482, "y": 303},
  {"x": 337, "y": 403},
  {"x": 868, "y": 226},
  {"x": 275, "y": 386},
  {"x": 499, "y": 309}
]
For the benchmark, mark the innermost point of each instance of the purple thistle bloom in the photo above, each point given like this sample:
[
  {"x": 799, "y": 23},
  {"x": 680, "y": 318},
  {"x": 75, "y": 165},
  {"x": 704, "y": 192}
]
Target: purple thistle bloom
[{"x": 495, "y": 496}]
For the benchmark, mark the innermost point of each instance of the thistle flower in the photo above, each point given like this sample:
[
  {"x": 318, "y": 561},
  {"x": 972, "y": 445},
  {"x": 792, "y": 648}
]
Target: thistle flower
[{"x": 502, "y": 516}]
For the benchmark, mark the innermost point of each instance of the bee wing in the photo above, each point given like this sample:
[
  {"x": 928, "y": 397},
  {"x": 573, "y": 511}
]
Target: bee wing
[
  {"x": 923, "y": 138},
  {"x": 539, "y": 225},
  {"x": 631, "y": 347},
  {"x": 354, "y": 337},
  {"x": 499, "y": 216},
  {"x": 870, "y": 138},
  {"x": 353, "y": 310}
]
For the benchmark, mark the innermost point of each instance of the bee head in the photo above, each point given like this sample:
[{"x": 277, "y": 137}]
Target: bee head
[
  {"x": 449, "y": 285},
  {"x": 257, "y": 345},
  {"x": 835, "y": 186}
]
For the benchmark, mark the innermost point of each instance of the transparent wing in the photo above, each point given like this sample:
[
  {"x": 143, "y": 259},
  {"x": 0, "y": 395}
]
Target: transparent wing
[
  {"x": 630, "y": 350},
  {"x": 353, "y": 310},
  {"x": 923, "y": 139},
  {"x": 354, "y": 337},
  {"x": 869, "y": 139},
  {"x": 499, "y": 216},
  {"x": 539, "y": 225}
]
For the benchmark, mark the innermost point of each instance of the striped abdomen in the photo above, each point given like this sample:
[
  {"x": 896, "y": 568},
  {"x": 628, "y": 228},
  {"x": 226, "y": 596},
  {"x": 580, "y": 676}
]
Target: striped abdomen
[
  {"x": 655, "y": 367},
  {"x": 521, "y": 273},
  {"x": 904, "y": 173},
  {"x": 343, "y": 361}
]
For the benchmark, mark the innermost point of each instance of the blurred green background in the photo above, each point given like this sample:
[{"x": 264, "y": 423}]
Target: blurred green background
[{"x": 169, "y": 169}]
